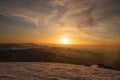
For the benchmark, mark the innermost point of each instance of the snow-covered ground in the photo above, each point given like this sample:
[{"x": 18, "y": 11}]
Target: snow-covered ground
[{"x": 54, "y": 71}]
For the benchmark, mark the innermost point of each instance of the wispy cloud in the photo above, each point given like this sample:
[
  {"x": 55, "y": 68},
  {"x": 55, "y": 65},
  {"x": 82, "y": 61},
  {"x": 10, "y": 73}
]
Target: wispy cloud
[{"x": 95, "y": 19}]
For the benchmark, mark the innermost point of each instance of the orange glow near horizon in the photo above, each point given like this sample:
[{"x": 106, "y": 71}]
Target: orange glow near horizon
[{"x": 63, "y": 39}]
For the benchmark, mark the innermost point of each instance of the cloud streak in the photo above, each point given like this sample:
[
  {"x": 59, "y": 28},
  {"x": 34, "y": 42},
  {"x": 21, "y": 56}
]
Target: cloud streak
[{"x": 95, "y": 19}]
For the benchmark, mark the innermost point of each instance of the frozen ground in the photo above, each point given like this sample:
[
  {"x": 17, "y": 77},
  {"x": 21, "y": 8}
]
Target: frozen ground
[{"x": 54, "y": 71}]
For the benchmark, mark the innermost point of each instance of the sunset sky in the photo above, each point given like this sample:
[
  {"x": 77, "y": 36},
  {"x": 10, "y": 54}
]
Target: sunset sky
[{"x": 50, "y": 21}]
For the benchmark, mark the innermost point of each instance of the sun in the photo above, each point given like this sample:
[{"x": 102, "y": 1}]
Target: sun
[{"x": 65, "y": 41}]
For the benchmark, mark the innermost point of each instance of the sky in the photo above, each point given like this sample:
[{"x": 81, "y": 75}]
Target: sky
[{"x": 49, "y": 21}]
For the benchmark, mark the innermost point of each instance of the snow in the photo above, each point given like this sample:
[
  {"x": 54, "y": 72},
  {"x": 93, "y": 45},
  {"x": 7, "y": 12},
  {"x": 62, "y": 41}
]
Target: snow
[
  {"x": 94, "y": 66},
  {"x": 54, "y": 71}
]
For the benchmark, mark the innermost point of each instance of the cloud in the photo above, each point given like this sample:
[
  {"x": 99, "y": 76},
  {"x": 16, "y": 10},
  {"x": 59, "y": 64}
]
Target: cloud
[
  {"x": 59, "y": 2},
  {"x": 93, "y": 18}
]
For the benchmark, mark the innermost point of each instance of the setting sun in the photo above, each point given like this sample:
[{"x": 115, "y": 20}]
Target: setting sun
[{"x": 65, "y": 41}]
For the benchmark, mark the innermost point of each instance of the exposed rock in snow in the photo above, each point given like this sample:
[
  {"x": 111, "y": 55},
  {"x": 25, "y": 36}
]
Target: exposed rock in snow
[{"x": 54, "y": 71}]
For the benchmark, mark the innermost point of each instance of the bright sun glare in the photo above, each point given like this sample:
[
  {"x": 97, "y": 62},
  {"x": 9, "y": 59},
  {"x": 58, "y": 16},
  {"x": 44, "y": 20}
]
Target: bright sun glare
[{"x": 65, "y": 41}]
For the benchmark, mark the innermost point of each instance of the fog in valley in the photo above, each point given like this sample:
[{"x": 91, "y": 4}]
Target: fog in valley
[{"x": 103, "y": 56}]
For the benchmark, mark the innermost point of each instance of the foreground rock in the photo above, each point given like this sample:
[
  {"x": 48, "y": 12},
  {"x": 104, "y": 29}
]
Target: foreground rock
[{"x": 54, "y": 71}]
